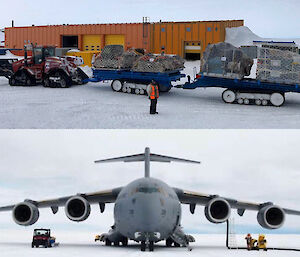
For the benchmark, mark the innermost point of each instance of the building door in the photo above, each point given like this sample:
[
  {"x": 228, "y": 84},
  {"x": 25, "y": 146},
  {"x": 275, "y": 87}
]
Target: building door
[
  {"x": 115, "y": 40},
  {"x": 91, "y": 43},
  {"x": 192, "y": 50},
  {"x": 70, "y": 41}
]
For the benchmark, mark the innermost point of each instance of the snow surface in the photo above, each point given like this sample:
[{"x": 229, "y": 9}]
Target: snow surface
[
  {"x": 18, "y": 243},
  {"x": 95, "y": 105},
  {"x": 243, "y": 36}
]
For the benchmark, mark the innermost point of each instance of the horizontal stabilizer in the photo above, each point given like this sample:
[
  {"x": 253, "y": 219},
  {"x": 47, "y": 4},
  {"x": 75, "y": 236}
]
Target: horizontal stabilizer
[{"x": 146, "y": 157}]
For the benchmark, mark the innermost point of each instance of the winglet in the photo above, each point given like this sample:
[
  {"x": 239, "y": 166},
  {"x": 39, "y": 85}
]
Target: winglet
[{"x": 146, "y": 157}]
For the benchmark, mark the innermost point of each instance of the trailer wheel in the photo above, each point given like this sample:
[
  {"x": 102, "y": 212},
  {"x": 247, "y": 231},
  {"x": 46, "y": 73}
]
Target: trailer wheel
[
  {"x": 117, "y": 85},
  {"x": 229, "y": 96},
  {"x": 277, "y": 99}
]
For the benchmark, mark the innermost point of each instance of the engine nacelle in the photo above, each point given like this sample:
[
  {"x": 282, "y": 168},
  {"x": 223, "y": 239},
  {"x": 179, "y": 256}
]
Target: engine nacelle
[
  {"x": 271, "y": 217},
  {"x": 77, "y": 208},
  {"x": 25, "y": 214},
  {"x": 217, "y": 210}
]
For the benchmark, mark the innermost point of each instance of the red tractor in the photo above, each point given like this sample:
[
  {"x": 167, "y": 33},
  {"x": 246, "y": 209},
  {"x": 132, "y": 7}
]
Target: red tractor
[{"x": 46, "y": 68}]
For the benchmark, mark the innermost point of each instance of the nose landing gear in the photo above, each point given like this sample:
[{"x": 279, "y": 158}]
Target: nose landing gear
[{"x": 147, "y": 244}]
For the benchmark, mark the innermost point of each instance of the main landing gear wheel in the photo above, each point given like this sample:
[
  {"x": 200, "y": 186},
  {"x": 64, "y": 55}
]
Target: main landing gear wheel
[
  {"x": 125, "y": 242},
  {"x": 116, "y": 85},
  {"x": 277, "y": 99},
  {"x": 229, "y": 96},
  {"x": 143, "y": 246},
  {"x": 169, "y": 242},
  {"x": 107, "y": 242},
  {"x": 151, "y": 246}
]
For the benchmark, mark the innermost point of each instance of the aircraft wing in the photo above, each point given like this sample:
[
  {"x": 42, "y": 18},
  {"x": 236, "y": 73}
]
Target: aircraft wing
[
  {"x": 107, "y": 196},
  {"x": 195, "y": 198}
]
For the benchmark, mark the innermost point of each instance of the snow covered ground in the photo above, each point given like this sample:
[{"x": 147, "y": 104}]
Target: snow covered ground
[
  {"x": 17, "y": 243},
  {"x": 95, "y": 105}
]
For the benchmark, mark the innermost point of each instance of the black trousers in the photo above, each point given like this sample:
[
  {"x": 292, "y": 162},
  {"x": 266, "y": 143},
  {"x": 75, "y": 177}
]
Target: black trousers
[{"x": 153, "y": 106}]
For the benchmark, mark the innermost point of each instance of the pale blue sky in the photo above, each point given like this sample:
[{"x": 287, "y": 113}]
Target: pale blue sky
[{"x": 268, "y": 18}]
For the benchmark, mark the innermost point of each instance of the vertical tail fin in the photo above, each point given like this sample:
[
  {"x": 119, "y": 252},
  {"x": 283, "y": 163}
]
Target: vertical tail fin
[{"x": 146, "y": 157}]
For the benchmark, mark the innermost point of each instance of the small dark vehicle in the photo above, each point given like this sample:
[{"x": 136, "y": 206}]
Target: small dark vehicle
[{"x": 42, "y": 237}]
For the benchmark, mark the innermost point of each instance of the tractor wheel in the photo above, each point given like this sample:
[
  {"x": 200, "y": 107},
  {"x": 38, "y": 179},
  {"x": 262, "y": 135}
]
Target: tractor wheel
[
  {"x": 63, "y": 80},
  {"x": 47, "y": 82},
  {"x": 12, "y": 81}
]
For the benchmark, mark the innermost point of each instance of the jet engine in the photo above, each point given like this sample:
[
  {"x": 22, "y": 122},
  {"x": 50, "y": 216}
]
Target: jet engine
[
  {"x": 77, "y": 208},
  {"x": 217, "y": 210},
  {"x": 271, "y": 217},
  {"x": 25, "y": 214}
]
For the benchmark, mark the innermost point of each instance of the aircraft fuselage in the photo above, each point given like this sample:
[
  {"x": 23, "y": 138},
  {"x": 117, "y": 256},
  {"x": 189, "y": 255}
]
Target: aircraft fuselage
[{"x": 147, "y": 207}]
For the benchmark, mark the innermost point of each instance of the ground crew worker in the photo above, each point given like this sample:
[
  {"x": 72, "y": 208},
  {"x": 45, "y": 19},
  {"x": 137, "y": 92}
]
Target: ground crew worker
[
  {"x": 153, "y": 94},
  {"x": 249, "y": 242},
  {"x": 262, "y": 242}
]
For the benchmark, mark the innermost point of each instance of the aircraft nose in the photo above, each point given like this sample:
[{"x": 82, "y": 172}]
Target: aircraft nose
[{"x": 149, "y": 211}]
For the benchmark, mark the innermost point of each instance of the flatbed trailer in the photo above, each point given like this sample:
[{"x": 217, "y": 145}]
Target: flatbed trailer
[
  {"x": 244, "y": 91},
  {"x": 128, "y": 81}
]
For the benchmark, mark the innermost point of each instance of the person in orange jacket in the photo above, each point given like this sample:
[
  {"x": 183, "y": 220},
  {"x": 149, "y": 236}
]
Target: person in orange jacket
[{"x": 153, "y": 93}]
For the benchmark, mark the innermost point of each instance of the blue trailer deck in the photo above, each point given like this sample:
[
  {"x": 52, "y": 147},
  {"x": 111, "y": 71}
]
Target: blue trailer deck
[
  {"x": 164, "y": 79},
  {"x": 245, "y": 91}
]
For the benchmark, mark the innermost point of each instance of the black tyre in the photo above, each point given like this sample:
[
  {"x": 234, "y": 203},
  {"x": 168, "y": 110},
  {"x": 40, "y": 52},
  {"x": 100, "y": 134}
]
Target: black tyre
[
  {"x": 151, "y": 246},
  {"x": 12, "y": 81},
  {"x": 125, "y": 242},
  {"x": 107, "y": 242},
  {"x": 32, "y": 245},
  {"x": 64, "y": 81},
  {"x": 176, "y": 244},
  {"x": 164, "y": 89},
  {"x": 169, "y": 242},
  {"x": 143, "y": 246},
  {"x": 116, "y": 243},
  {"x": 47, "y": 82}
]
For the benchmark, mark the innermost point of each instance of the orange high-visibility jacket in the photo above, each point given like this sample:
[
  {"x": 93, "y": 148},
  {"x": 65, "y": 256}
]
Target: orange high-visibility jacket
[{"x": 154, "y": 93}]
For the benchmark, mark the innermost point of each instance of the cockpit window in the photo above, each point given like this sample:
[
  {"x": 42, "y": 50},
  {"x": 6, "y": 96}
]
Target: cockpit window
[{"x": 147, "y": 190}]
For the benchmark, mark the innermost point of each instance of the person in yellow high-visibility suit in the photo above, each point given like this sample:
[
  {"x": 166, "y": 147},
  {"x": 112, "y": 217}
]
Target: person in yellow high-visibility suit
[{"x": 262, "y": 242}]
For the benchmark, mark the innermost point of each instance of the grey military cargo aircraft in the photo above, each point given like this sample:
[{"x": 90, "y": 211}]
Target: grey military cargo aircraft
[{"x": 148, "y": 210}]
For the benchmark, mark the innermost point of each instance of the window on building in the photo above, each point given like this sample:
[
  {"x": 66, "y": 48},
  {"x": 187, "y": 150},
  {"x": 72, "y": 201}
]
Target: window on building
[
  {"x": 209, "y": 29},
  {"x": 70, "y": 41},
  {"x": 188, "y": 29},
  {"x": 163, "y": 29}
]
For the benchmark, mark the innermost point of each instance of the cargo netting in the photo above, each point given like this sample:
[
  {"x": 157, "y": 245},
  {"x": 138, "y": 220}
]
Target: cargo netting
[
  {"x": 158, "y": 63},
  {"x": 278, "y": 66},
  {"x": 114, "y": 57},
  {"x": 225, "y": 60}
]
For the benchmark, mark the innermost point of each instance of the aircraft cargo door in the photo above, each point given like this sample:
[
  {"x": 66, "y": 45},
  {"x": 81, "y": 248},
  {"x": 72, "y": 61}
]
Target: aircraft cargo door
[
  {"x": 91, "y": 42},
  {"x": 115, "y": 40}
]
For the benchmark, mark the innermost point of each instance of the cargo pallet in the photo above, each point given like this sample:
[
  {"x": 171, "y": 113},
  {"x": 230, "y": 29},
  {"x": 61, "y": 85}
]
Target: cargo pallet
[
  {"x": 128, "y": 81},
  {"x": 245, "y": 91}
]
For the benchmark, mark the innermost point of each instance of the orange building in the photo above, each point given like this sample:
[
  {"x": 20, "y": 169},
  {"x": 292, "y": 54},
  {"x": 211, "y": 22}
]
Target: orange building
[{"x": 187, "y": 39}]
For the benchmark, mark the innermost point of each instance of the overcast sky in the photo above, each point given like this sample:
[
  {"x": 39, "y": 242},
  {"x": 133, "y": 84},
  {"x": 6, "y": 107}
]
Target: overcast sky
[
  {"x": 253, "y": 165},
  {"x": 268, "y": 18}
]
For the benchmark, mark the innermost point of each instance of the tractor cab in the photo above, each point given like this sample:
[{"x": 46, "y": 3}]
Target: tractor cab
[{"x": 40, "y": 53}]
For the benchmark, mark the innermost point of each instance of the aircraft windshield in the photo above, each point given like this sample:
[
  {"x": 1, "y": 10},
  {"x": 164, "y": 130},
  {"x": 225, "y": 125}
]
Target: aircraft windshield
[{"x": 147, "y": 190}]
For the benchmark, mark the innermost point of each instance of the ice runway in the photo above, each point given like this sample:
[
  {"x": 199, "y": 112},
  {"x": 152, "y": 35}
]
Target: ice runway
[{"x": 18, "y": 243}]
